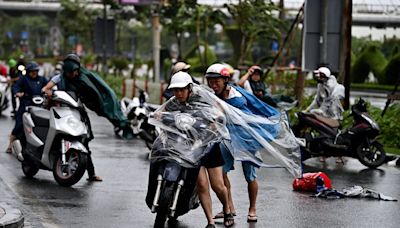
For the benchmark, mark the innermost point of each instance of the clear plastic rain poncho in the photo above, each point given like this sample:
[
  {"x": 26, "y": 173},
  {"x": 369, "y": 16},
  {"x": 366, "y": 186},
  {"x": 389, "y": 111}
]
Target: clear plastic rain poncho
[{"x": 189, "y": 131}]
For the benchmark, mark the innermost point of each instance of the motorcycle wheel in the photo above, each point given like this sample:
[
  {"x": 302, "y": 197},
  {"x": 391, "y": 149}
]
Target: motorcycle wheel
[
  {"x": 372, "y": 156},
  {"x": 28, "y": 169},
  {"x": 151, "y": 136},
  {"x": 163, "y": 206},
  {"x": 70, "y": 174}
]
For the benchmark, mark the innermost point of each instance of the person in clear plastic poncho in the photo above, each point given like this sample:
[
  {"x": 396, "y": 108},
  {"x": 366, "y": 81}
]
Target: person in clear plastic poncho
[
  {"x": 191, "y": 129},
  {"x": 254, "y": 128}
]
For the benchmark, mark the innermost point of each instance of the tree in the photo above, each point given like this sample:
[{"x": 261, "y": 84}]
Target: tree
[
  {"x": 205, "y": 16},
  {"x": 175, "y": 17},
  {"x": 254, "y": 19},
  {"x": 74, "y": 20}
]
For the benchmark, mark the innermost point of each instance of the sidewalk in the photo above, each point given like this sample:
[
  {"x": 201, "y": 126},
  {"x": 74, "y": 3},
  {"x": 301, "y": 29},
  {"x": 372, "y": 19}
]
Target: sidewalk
[{"x": 10, "y": 217}]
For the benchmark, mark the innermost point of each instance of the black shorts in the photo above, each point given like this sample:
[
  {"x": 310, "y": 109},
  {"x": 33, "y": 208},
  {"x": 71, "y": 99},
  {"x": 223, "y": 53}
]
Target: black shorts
[{"x": 213, "y": 158}]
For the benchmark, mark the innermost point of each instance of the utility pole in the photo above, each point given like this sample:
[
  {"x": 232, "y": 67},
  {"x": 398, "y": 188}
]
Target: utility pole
[
  {"x": 156, "y": 42},
  {"x": 345, "y": 52}
]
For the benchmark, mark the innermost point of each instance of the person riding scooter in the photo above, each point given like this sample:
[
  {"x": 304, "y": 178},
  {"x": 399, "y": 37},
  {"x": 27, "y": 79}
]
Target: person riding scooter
[
  {"x": 328, "y": 100},
  {"x": 25, "y": 88}
]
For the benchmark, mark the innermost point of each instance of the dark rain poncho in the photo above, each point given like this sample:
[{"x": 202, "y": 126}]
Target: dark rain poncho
[{"x": 97, "y": 96}]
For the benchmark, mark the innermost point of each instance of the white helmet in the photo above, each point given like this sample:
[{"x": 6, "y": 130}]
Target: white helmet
[
  {"x": 323, "y": 71},
  {"x": 180, "y": 80},
  {"x": 217, "y": 70}
]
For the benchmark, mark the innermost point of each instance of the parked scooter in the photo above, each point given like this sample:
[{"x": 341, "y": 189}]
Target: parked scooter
[
  {"x": 55, "y": 139},
  {"x": 323, "y": 137},
  {"x": 174, "y": 167},
  {"x": 138, "y": 111},
  {"x": 3, "y": 94}
]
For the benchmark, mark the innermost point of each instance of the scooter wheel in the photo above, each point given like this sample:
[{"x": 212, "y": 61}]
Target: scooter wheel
[
  {"x": 71, "y": 173},
  {"x": 371, "y": 156}
]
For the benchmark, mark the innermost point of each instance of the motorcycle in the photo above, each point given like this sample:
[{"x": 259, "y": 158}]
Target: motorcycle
[
  {"x": 3, "y": 94},
  {"x": 323, "y": 137},
  {"x": 174, "y": 168},
  {"x": 138, "y": 111},
  {"x": 55, "y": 139}
]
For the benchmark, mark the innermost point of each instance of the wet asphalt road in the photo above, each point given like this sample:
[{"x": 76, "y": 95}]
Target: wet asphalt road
[{"x": 118, "y": 201}]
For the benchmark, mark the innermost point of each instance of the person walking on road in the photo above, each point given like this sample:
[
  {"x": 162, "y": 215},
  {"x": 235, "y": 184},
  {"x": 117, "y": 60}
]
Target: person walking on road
[
  {"x": 217, "y": 76},
  {"x": 187, "y": 98}
]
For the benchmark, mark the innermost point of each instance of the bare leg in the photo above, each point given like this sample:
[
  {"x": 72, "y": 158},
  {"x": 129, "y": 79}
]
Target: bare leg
[
  {"x": 204, "y": 195},
  {"x": 252, "y": 188},
  {"x": 230, "y": 199},
  {"x": 217, "y": 184},
  {"x": 12, "y": 139}
]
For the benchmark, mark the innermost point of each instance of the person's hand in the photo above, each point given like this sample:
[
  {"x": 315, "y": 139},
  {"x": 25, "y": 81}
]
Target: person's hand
[
  {"x": 48, "y": 92},
  {"x": 250, "y": 71},
  {"x": 19, "y": 94},
  {"x": 156, "y": 115}
]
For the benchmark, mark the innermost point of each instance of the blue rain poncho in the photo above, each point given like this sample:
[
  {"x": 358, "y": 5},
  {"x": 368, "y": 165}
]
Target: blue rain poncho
[{"x": 247, "y": 133}]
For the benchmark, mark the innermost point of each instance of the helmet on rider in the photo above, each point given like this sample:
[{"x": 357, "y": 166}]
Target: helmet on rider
[
  {"x": 214, "y": 73},
  {"x": 72, "y": 62},
  {"x": 180, "y": 80},
  {"x": 32, "y": 66},
  {"x": 180, "y": 66},
  {"x": 217, "y": 70},
  {"x": 322, "y": 74},
  {"x": 12, "y": 62}
]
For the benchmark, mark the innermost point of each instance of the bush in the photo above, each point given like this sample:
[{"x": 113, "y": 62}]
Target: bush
[
  {"x": 371, "y": 59},
  {"x": 115, "y": 83},
  {"x": 119, "y": 64},
  {"x": 392, "y": 72}
]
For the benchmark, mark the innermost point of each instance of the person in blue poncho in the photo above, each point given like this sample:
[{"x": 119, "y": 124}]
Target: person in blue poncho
[{"x": 217, "y": 76}]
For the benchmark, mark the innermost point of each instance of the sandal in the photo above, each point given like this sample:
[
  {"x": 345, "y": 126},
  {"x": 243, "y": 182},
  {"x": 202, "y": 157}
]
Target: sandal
[
  {"x": 210, "y": 226},
  {"x": 221, "y": 215},
  {"x": 252, "y": 218},
  {"x": 8, "y": 151},
  {"x": 228, "y": 220},
  {"x": 94, "y": 178}
]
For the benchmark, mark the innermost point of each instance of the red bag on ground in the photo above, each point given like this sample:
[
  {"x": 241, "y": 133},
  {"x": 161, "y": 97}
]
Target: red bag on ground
[{"x": 312, "y": 182}]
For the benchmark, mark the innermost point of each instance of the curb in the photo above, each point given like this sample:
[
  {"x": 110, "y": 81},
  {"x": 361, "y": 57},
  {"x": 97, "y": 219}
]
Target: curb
[{"x": 10, "y": 217}]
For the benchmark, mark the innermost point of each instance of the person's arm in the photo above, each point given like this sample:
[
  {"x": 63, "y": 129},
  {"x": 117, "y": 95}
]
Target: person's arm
[
  {"x": 17, "y": 89},
  {"x": 48, "y": 87},
  {"x": 245, "y": 78},
  {"x": 247, "y": 87},
  {"x": 314, "y": 103}
]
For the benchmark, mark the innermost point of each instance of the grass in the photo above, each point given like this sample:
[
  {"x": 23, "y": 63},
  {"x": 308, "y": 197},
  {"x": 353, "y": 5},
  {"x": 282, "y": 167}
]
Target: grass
[{"x": 390, "y": 150}]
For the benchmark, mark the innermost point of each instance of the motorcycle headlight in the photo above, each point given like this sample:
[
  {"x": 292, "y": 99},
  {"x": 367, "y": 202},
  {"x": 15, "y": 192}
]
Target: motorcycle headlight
[{"x": 73, "y": 122}]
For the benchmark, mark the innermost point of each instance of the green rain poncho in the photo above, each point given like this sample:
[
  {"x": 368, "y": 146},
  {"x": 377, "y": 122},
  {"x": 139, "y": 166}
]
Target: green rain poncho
[{"x": 95, "y": 94}]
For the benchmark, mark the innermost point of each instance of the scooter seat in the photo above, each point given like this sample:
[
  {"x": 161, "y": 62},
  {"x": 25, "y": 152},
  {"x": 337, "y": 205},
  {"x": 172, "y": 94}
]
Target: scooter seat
[
  {"x": 328, "y": 121},
  {"x": 40, "y": 116}
]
